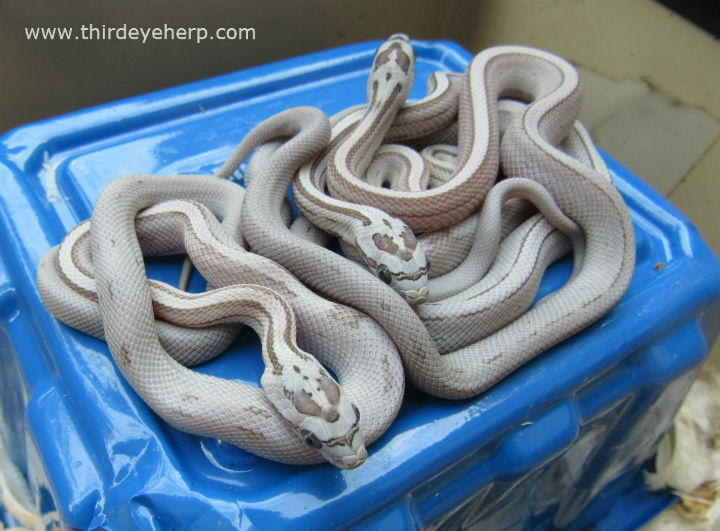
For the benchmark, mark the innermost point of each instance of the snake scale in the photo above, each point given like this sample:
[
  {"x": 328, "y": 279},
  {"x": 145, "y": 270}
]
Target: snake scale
[{"x": 445, "y": 261}]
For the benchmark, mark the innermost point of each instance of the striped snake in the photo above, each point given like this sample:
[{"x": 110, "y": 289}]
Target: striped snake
[
  {"x": 316, "y": 416},
  {"x": 596, "y": 218},
  {"x": 344, "y": 178}
]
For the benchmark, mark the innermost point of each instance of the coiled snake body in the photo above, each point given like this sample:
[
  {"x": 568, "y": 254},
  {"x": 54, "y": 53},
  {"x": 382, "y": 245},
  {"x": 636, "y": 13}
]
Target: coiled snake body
[
  {"x": 585, "y": 195},
  {"x": 294, "y": 383},
  {"x": 457, "y": 333}
]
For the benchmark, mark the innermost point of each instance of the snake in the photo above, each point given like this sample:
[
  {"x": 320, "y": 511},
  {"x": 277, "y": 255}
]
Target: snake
[
  {"x": 456, "y": 314},
  {"x": 550, "y": 88},
  {"x": 301, "y": 415},
  {"x": 434, "y": 208}
]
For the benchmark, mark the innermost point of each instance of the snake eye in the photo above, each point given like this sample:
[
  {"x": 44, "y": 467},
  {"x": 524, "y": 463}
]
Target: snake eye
[
  {"x": 383, "y": 273},
  {"x": 311, "y": 440}
]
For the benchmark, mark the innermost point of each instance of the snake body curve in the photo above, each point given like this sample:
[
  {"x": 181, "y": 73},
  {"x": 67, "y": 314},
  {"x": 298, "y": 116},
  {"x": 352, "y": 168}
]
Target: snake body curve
[
  {"x": 603, "y": 276},
  {"x": 249, "y": 419}
]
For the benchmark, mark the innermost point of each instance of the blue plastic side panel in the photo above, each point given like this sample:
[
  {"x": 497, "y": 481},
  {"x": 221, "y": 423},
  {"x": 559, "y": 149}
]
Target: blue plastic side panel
[{"x": 558, "y": 444}]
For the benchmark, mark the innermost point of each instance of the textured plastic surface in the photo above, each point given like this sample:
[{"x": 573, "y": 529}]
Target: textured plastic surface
[{"x": 560, "y": 443}]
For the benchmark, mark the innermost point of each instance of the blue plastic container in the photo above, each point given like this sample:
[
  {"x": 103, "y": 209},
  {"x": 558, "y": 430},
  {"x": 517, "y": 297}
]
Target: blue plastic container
[{"x": 559, "y": 444}]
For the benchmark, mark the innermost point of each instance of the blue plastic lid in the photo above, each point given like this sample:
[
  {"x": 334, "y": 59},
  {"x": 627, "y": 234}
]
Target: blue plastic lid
[{"x": 112, "y": 463}]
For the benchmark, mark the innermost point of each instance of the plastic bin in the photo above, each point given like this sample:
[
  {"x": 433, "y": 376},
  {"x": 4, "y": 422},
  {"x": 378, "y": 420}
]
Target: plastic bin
[{"x": 561, "y": 443}]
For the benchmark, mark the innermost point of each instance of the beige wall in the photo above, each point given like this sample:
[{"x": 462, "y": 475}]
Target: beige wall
[
  {"x": 44, "y": 78},
  {"x": 652, "y": 79}
]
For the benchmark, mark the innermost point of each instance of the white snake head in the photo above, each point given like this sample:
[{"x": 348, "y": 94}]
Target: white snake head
[
  {"x": 324, "y": 417},
  {"x": 393, "y": 67},
  {"x": 391, "y": 251}
]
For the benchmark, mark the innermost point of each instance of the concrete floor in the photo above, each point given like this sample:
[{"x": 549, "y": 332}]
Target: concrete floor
[{"x": 652, "y": 79}]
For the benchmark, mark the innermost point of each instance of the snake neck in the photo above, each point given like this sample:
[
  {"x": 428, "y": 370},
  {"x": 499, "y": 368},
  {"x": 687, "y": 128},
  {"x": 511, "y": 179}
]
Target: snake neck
[
  {"x": 383, "y": 244},
  {"x": 389, "y": 84},
  {"x": 297, "y": 385},
  {"x": 302, "y": 390}
]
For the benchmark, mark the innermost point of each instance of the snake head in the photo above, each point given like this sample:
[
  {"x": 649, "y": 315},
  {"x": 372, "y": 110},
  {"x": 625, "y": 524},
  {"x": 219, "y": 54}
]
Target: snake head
[
  {"x": 393, "y": 66},
  {"x": 391, "y": 251},
  {"x": 326, "y": 419}
]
